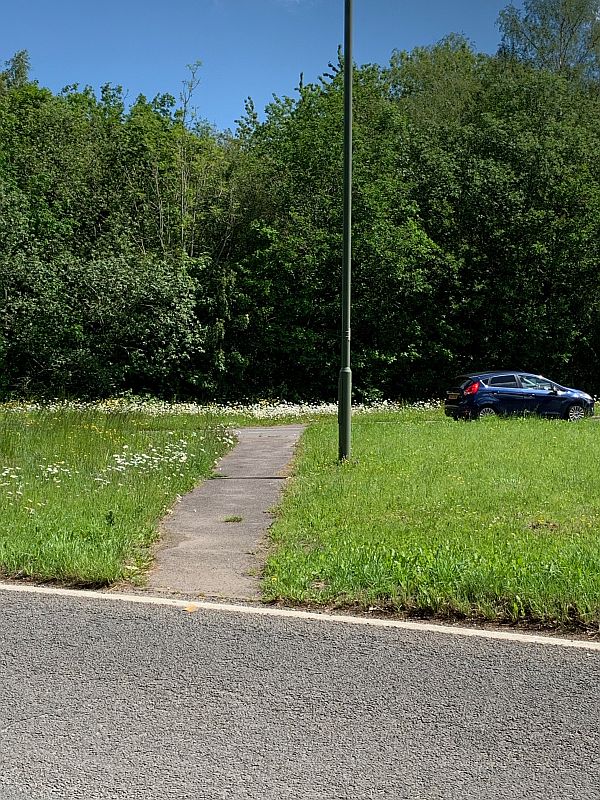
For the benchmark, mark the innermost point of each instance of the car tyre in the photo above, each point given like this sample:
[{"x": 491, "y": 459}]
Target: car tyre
[
  {"x": 485, "y": 412},
  {"x": 575, "y": 412}
]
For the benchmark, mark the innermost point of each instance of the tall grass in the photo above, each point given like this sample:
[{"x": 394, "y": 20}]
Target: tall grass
[
  {"x": 81, "y": 490},
  {"x": 497, "y": 519}
]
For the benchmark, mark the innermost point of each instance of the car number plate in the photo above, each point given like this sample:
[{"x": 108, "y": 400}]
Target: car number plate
[{"x": 452, "y": 396}]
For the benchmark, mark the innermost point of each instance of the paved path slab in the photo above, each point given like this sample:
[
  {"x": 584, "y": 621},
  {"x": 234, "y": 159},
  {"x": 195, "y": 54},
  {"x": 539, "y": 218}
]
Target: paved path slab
[{"x": 202, "y": 554}]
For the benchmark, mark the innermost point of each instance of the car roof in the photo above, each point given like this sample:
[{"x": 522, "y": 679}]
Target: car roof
[{"x": 486, "y": 373}]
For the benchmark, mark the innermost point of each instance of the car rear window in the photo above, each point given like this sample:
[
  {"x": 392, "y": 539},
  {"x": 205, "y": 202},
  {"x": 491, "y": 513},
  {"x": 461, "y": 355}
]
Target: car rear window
[{"x": 461, "y": 381}]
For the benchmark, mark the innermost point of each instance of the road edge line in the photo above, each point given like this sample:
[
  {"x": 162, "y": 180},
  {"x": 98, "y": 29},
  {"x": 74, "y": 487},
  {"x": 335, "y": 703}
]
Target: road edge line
[{"x": 191, "y": 605}]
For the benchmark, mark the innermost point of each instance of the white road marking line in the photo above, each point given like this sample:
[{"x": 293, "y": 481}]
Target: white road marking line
[{"x": 271, "y": 611}]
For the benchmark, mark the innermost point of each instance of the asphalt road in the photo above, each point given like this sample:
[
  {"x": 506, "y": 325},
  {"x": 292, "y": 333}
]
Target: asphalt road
[{"x": 105, "y": 699}]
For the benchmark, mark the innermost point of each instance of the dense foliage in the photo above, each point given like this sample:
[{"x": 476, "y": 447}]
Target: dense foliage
[{"x": 142, "y": 251}]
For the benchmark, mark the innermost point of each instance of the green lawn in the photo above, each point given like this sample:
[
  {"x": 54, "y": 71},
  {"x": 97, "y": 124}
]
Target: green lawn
[
  {"x": 498, "y": 519},
  {"x": 83, "y": 485},
  {"x": 81, "y": 490}
]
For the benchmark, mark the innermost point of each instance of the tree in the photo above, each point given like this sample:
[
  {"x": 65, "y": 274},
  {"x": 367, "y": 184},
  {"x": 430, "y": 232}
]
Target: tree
[
  {"x": 288, "y": 270},
  {"x": 104, "y": 281},
  {"x": 142, "y": 250},
  {"x": 513, "y": 195},
  {"x": 16, "y": 72},
  {"x": 90, "y": 328},
  {"x": 558, "y": 35},
  {"x": 436, "y": 85}
]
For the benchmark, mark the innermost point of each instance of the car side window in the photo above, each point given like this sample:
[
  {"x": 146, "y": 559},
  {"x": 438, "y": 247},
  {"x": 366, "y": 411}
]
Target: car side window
[
  {"x": 533, "y": 382},
  {"x": 505, "y": 381}
]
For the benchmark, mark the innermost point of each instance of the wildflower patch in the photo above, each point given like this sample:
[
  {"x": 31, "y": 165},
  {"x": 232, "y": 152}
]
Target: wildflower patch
[{"x": 82, "y": 486}]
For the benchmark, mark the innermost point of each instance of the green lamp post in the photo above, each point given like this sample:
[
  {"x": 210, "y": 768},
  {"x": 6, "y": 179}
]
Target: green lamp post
[{"x": 345, "y": 378}]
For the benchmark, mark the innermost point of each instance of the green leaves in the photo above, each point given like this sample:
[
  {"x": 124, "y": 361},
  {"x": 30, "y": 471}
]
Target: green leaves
[
  {"x": 141, "y": 250},
  {"x": 96, "y": 327},
  {"x": 562, "y": 36}
]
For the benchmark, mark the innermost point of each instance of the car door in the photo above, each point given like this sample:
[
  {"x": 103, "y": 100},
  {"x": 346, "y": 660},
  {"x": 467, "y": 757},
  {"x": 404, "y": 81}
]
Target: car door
[
  {"x": 541, "y": 395},
  {"x": 507, "y": 393}
]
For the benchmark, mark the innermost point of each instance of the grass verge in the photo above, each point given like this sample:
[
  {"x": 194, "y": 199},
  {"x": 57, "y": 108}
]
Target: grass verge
[
  {"x": 81, "y": 490},
  {"x": 498, "y": 520}
]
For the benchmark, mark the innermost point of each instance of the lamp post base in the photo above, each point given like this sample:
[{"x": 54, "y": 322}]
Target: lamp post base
[{"x": 345, "y": 413}]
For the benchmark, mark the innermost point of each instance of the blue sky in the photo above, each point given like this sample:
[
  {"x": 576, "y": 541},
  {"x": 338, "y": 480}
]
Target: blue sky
[{"x": 251, "y": 48}]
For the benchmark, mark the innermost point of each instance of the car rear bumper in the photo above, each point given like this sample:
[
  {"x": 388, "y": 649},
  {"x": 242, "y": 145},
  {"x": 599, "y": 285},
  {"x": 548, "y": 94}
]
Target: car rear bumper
[{"x": 457, "y": 411}]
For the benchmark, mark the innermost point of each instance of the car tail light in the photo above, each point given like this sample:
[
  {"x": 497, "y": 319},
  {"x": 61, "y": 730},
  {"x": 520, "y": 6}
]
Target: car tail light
[{"x": 473, "y": 388}]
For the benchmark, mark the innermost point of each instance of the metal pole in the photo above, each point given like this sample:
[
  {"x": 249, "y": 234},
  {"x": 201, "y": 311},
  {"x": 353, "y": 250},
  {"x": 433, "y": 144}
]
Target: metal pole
[{"x": 345, "y": 379}]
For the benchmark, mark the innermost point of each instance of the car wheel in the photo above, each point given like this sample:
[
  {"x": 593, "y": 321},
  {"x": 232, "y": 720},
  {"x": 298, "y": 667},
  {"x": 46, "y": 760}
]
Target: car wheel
[
  {"x": 485, "y": 412},
  {"x": 575, "y": 413}
]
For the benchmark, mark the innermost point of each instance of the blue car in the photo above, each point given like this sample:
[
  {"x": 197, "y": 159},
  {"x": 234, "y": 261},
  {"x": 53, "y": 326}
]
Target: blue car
[{"x": 504, "y": 392}]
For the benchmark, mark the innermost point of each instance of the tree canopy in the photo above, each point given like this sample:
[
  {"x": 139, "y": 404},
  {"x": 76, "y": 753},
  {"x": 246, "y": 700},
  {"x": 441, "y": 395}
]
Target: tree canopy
[
  {"x": 558, "y": 35},
  {"x": 142, "y": 251}
]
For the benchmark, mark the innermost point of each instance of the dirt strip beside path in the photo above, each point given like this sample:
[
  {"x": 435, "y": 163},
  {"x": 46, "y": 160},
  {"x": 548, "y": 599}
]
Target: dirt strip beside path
[{"x": 212, "y": 539}]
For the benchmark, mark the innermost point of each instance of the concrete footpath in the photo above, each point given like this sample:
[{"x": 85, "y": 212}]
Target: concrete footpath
[{"x": 213, "y": 539}]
